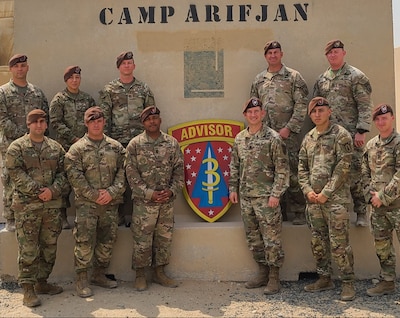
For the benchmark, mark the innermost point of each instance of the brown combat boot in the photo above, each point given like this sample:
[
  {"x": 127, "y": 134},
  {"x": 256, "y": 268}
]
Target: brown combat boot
[
  {"x": 261, "y": 278},
  {"x": 323, "y": 283},
  {"x": 273, "y": 285},
  {"x": 65, "y": 224},
  {"x": 382, "y": 288},
  {"x": 82, "y": 286},
  {"x": 159, "y": 277},
  {"x": 30, "y": 297},
  {"x": 99, "y": 279},
  {"x": 348, "y": 291},
  {"x": 43, "y": 287},
  {"x": 140, "y": 280}
]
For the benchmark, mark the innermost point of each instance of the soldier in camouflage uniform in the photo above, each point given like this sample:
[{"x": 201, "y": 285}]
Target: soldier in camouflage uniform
[
  {"x": 348, "y": 91},
  {"x": 36, "y": 167},
  {"x": 380, "y": 176},
  {"x": 66, "y": 115},
  {"x": 260, "y": 174},
  {"x": 122, "y": 101},
  {"x": 95, "y": 170},
  {"x": 324, "y": 165},
  {"x": 283, "y": 93},
  {"x": 17, "y": 98},
  {"x": 154, "y": 170}
]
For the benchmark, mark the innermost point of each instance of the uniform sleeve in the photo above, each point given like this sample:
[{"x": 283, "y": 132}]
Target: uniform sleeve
[
  {"x": 391, "y": 191},
  {"x": 362, "y": 95},
  {"x": 118, "y": 186},
  {"x": 60, "y": 186},
  {"x": 300, "y": 97},
  {"x": 105, "y": 103},
  {"x": 57, "y": 119},
  {"x": 177, "y": 177},
  {"x": 149, "y": 99},
  {"x": 366, "y": 175},
  {"x": 76, "y": 176},
  {"x": 234, "y": 167},
  {"x": 340, "y": 173},
  {"x": 7, "y": 126},
  {"x": 17, "y": 171},
  {"x": 304, "y": 169},
  {"x": 282, "y": 171}
]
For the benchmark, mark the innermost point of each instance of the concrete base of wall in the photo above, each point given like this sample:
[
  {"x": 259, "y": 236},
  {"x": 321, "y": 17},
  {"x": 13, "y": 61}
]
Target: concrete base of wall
[{"x": 205, "y": 251}]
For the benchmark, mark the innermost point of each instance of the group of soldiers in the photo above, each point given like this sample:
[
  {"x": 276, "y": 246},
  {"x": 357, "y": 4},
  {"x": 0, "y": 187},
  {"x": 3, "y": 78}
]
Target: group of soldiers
[
  {"x": 100, "y": 152},
  {"x": 320, "y": 177},
  {"x": 115, "y": 158}
]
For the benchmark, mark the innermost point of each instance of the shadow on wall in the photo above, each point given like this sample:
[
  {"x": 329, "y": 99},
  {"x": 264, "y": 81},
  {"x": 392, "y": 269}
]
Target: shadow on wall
[{"x": 6, "y": 30}]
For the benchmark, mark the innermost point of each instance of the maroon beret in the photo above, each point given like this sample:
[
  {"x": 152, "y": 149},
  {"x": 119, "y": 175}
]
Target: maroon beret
[
  {"x": 124, "y": 56},
  {"x": 333, "y": 44},
  {"x": 150, "y": 110},
  {"x": 381, "y": 109},
  {"x": 70, "y": 70},
  {"x": 271, "y": 45},
  {"x": 34, "y": 115},
  {"x": 252, "y": 102},
  {"x": 17, "y": 58},
  {"x": 93, "y": 113},
  {"x": 317, "y": 101}
]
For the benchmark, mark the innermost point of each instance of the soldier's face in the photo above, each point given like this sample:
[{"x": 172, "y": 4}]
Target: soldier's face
[
  {"x": 335, "y": 57},
  {"x": 152, "y": 123},
  {"x": 254, "y": 115},
  {"x": 320, "y": 115},
  {"x": 38, "y": 128},
  {"x": 73, "y": 83},
  {"x": 19, "y": 70},
  {"x": 96, "y": 128},
  {"x": 384, "y": 123},
  {"x": 127, "y": 67},
  {"x": 274, "y": 57}
]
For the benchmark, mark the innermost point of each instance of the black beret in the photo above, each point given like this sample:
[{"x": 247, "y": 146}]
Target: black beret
[
  {"x": 252, "y": 102},
  {"x": 34, "y": 115},
  {"x": 271, "y": 45},
  {"x": 381, "y": 109},
  {"x": 17, "y": 58},
  {"x": 150, "y": 110},
  {"x": 124, "y": 56},
  {"x": 93, "y": 113},
  {"x": 333, "y": 44},
  {"x": 70, "y": 70}
]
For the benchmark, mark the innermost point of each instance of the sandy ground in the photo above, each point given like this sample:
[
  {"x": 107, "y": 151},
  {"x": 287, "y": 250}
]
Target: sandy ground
[{"x": 200, "y": 299}]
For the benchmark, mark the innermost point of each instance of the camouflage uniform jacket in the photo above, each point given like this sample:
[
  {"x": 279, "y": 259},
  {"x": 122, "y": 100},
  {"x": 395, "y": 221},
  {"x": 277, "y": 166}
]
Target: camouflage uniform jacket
[
  {"x": 259, "y": 164},
  {"x": 66, "y": 115},
  {"x": 284, "y": 96},
  {"x": 381, "y": 169},
  {"x": 349, "y": 95},
  {"x": 31, "y": 169},
  {"x": 324, "y": 163},
  {"x": 92, "y": 166},
  {"x": 122, "y": 108},
  {"x": 154, "y": 165},
  {"x": 14, "y": 108}
]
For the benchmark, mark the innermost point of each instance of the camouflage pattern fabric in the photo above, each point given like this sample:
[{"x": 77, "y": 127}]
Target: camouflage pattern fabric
[
  {"x": 38, "y": 223},
  {"x": 284, "y": 96},
  {"x": 259, "y": 169},
  {"x": 349, "y": 94},
  {"x": 122, "y": 107},
  {"x": 381, "y": 173},
  {"x": 324, "y": 165},
  {"x": 13, "y": 110},
  {"x": 66, "y": 115},
  {"x": 92, "y": 166},
  {"x": 153, "y": 165}
]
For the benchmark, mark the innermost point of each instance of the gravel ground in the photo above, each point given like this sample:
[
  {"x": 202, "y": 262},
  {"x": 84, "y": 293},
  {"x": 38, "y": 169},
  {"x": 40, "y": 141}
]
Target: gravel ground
[{"x": 200, "y": 299}]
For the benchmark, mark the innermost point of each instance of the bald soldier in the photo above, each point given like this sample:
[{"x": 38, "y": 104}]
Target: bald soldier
[
  {"x": 17, "y": 98},
  {"x": 284, "y": 95},
  {"x": 324, "y": 164},
  {"x": 348, "y": 91}
]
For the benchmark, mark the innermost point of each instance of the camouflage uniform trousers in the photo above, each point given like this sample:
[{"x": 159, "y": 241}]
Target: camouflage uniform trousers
[
  {"x": 8, "y": 190},
  {"x": 95, "y": 233},
  {"x": 37, "y": 233},
  {"x": 293, "y": 199},
  {"x": 263, "y": 226},
  {"x": 383, "y": 223},
  {"x": 152, "y": 227},
  {"x": 356, "y": 188},
  {"x": 329, "y": 225}
]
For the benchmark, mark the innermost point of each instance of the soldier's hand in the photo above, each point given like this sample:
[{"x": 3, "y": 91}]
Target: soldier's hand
[
  {"x": 45, "y": 195},
  {"x": 321, "y": 199},
  {"x": 161, "y": 196},
  {"x": 104, "y": 197},
  {"x": 233, "y": 197},
  {"x": 359, "y": 140},
  {"x": 312, "y": 197},
  {"x": 375, "y": 201},
  {"x": 284, "y": 132},
  {"x": 273, "y": 202}
]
